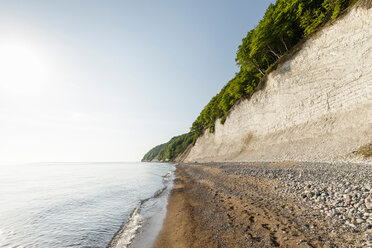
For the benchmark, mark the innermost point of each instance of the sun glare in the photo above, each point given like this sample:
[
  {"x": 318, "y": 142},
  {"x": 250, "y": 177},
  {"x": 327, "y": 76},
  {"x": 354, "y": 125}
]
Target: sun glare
[{"x": 24, "y": 69}]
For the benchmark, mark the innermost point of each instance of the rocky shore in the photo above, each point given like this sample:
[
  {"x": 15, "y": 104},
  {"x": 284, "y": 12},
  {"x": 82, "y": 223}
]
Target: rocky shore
[{"x": 285, "y": 204}]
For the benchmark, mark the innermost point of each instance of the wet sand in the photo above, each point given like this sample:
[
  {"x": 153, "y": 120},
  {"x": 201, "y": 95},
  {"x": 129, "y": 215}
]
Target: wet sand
[{"x": 214, "y": 205}]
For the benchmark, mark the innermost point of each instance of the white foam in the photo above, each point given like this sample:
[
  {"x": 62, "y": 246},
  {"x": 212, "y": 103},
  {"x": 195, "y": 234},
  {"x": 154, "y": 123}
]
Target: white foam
[
  {"x": 127, "y": 234},
  {"x": 166, "y": 177}
]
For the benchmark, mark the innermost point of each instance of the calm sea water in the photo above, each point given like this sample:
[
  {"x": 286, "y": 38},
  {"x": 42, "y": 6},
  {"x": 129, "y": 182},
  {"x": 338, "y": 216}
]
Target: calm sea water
[{"x": 73, "y": 204}]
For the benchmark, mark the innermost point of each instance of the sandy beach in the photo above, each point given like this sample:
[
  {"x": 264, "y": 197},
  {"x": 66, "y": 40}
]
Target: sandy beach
[{"x": 268, "y": 205}]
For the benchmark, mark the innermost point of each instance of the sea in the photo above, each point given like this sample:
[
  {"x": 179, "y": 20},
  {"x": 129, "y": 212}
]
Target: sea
[{"x": 83, "y": 204}]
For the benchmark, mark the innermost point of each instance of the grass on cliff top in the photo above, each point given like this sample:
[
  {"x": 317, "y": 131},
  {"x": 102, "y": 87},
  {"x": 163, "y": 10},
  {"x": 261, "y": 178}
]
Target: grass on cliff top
[{"x": 365, "y": 151}]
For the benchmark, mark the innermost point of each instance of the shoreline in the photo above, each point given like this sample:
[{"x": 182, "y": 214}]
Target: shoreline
[
  {"x": 145, "y": 222},
  {"x": 153, "y": 213},
  {"x": 290, "y": 204}
]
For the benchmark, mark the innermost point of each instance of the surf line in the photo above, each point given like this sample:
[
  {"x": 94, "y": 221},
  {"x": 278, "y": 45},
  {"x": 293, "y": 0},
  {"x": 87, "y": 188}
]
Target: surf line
[{"x": 124, "y": 236}]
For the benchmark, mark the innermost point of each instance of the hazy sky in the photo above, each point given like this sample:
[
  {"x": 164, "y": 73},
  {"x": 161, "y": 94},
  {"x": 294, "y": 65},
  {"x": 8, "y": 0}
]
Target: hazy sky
[{"x": 108, "y": 80}]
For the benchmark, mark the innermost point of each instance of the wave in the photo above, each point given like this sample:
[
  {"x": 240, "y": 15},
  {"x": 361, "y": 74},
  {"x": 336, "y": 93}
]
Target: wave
[
  {"x": 167, "y": 176},
  {"x": 127, "y": 232}
]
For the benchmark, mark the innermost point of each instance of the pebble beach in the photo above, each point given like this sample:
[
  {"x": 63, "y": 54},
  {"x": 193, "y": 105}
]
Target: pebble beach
[{"x": 282, "y": 204}]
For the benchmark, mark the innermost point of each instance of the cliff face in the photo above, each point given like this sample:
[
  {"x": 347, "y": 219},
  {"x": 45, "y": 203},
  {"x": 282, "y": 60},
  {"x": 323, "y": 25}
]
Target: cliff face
[{"x": 316, "y": 106}]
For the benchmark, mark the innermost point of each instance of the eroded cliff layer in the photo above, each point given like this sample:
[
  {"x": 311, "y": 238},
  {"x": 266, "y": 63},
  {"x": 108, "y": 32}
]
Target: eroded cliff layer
[{"x": 316, "y": 106}]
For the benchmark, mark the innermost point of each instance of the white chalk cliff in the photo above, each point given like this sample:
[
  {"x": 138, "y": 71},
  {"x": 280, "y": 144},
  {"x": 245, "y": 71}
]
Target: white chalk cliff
[{"x": 316, "y": 106}]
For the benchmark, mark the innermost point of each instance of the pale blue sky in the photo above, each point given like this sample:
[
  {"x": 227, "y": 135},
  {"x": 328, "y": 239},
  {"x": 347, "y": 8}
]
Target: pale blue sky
[{"x": 108, "y": 80}]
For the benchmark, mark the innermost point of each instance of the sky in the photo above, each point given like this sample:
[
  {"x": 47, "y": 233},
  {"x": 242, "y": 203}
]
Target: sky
[{"x": 90, "y": 81}]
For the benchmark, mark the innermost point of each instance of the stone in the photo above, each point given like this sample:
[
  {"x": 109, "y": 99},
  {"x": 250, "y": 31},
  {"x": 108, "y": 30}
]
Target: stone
[
  {"x": 368, "y": 202},
  {"x": 367, "y": 186},
  {"x": 359, "y": 221},
  {"x": 330, "y": 214},
  {"x": 350, "y": 224}
]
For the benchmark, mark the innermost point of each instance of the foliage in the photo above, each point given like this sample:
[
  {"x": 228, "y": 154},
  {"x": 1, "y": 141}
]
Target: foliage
[
  {"x": 284, "y": 25},
  {"x": 175, "y": 146},
  {"x": 170, "y": 150},
  {"x": 243, "y": 84},
  {"x": 153, "y": 153}
]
